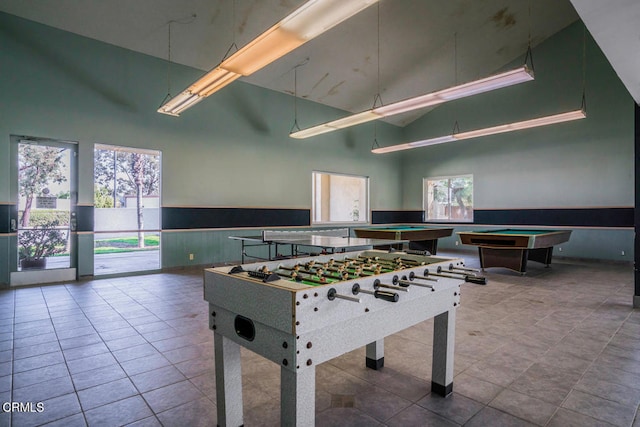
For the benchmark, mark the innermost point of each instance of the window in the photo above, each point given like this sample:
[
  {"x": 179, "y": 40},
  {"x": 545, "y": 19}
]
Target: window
[
  {"x": 449, "y": 198},
  {"x": 340, "y": 198}
]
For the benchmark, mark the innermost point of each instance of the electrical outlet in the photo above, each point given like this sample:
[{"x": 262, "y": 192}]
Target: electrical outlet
[
  {"x": 190, "y": 257},
  {"x": 560, "y": 249},
  {"x": 457, "y": 243},
  {"x": 622, "y": 253}
]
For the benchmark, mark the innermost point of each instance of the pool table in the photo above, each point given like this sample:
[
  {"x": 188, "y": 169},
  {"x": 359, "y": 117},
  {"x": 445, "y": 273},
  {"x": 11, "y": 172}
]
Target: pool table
[
  {"x": 512, "y": 247},
  {"x": 420, "y": 237}
]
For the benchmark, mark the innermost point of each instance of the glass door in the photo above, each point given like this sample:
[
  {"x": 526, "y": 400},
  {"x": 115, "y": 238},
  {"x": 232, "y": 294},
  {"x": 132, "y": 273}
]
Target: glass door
[
  {"x": 127, "y": 210},
  {"x": 46, "y": 187}
]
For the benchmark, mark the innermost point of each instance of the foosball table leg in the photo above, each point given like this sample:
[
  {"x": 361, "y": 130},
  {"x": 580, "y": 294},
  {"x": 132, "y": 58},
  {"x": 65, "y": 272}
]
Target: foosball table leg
[
  {"x": 375, "y": 354},
  {"x": 298, "y": 396},
  {"x": 443, "y": 347},
  {"x": 228, "y": 382}
]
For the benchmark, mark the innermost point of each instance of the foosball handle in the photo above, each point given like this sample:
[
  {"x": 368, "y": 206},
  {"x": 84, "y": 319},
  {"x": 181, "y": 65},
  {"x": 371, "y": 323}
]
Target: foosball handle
[
  {"x": 476, "y": 280},
  {"x": 387, "y": 296},
  {"x": 333, "y": 294},
  {"x": 417, "y": 252},
  {"x": 236, "y": 269}
]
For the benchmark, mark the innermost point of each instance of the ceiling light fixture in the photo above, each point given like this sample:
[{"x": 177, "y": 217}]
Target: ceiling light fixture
[
  {"x": 497, "y": 81},
  {"x": 308, "y": 21},
  {"x": 510, "y": 127}
]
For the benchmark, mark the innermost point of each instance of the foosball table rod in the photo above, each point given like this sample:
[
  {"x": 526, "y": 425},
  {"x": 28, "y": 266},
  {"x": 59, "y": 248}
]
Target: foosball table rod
[
  {"x": 384, "y": 295},
  {"x": 456, "y": 275},
  {"x": 333, "y": 294},
  {"x": 406, "y": 283},
  {"x": 471, "y": 270},
  {"x": 377, "y": 284}
]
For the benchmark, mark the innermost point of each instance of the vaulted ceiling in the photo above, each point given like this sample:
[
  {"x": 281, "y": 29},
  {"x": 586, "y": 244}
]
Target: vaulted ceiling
[{"x": 398, "y": 49}]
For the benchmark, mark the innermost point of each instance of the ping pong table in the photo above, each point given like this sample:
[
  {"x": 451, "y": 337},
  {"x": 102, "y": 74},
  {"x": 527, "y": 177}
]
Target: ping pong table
[{"x": 326, "y": 241}]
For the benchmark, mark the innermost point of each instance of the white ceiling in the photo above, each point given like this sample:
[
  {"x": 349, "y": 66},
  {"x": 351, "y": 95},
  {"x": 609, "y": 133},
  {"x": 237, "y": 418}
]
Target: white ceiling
[
  {"x": 417, "y": 52},
  {"x": 615, "y": 26}
]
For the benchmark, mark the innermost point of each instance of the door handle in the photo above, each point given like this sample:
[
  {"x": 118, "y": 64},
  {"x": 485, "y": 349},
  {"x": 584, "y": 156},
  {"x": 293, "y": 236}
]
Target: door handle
[{"x": 73, "y": 223}]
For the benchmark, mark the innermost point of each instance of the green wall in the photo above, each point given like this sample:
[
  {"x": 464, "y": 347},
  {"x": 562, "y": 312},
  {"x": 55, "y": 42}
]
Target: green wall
[
  {"x": 232, "y": 149},
  {"x": 586, "y": 163}
]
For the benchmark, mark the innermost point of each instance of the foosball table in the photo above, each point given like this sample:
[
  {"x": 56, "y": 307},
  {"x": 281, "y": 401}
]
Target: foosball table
[{"x": 301, "y": 312}]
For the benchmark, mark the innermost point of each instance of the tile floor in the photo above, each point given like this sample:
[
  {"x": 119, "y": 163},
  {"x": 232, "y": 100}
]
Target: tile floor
[{"x": 557, "y": 347}]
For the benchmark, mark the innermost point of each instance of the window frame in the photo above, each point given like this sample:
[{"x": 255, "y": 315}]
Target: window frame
[
  {"x": 314, "y": 208},
  {"x": 425, "y": 199}
]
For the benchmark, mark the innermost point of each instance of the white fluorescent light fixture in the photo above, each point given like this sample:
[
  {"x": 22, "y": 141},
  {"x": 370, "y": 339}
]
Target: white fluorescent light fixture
[
  {"x": 432, "y": 141},
  {"x": 308, "y": 21},
  {"x": 497, "y": 81},
  {"x": 179, "y": 103},
  {"x": 414, "y": 144},
  {"x": 527, "y": 124},
  {"x": 391, "y": 148},
  {"x": 345, "y": 122},
  {"x": 510, "y": 127}
]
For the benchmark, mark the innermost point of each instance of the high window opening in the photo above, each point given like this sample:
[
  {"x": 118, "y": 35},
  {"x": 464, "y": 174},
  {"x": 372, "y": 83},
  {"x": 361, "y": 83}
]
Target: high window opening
[
  {"x": 339, "y": 198},
  {"x": 448, "y": 199},
  {"x": 127, "y": 209}
]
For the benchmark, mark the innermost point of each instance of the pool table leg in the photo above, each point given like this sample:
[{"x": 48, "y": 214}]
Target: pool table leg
[
  {"x": 430, "y": 246},
  {"x": 514, "y": 259},
  {"x": 542, "y": 255}
]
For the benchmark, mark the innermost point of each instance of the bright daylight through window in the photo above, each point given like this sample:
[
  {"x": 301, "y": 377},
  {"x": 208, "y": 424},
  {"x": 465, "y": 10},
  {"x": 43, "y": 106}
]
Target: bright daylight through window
[
  {"x": 449, "y": 198},
  {"x": 340, "y": 198},
  {"x": 127, "y": 209}
]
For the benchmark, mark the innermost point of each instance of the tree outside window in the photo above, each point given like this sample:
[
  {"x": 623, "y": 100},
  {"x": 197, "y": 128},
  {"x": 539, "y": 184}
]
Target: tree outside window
[
  {"x": 449, "y": 198},
  {"x": 121, "y": 174}
]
